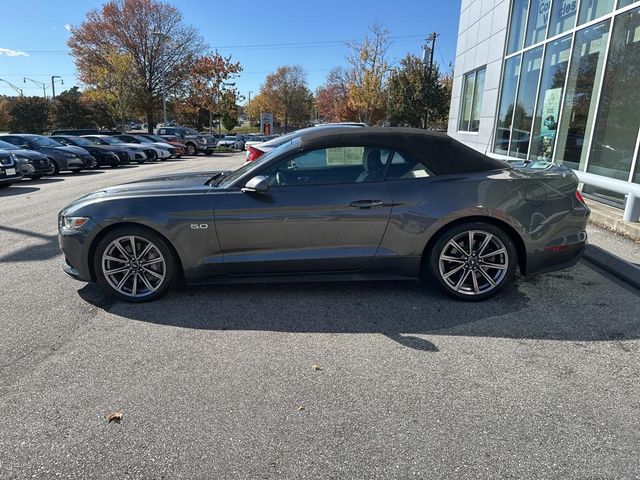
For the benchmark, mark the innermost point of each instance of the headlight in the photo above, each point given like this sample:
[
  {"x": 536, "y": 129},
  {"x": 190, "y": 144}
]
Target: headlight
[
  {"x": 73, "y": 223},
  {"x": 68, "y": 155}
]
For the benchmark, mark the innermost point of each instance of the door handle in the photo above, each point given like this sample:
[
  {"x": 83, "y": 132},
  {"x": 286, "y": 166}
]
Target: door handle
[{"x": 366, "y": 203}]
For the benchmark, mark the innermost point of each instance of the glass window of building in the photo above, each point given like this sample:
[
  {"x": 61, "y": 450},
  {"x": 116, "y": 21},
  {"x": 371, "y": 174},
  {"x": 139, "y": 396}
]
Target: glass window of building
[
  {"x": 554, "y": 72},
  {"x": 538, "y": 20},
  {"x": 472, "y": 93},
  {"x": 518, "y": 23},
  {"x": 525, "y": 103},
  {"x": 505, "y": 110},
  {"x": 616, "y": 131},
  {"x": 563, "y": 16},
  {"x": 583, "y": 84},
  {"x": 625, "y": 3},
  {"x": 592, "y": 9}
]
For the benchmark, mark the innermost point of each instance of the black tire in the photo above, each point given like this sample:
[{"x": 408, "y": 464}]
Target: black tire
[
  {"x": 481, "y": 265},
  {"x": 153, "y": 156},
  {"x": 170, "y": 263},
  {"x": 56, "y": 167},
  {"x": 36, "y": 177},
  {"x": 192, "y": 151}
]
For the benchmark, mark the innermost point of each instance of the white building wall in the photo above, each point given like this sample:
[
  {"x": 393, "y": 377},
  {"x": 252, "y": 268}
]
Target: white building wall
[{"x": 481, "y": 42}]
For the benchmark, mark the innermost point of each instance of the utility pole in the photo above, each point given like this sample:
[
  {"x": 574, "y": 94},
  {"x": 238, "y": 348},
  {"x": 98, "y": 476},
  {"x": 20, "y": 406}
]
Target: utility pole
[
  {"x": 427, "y": 62},
  {"x": 249, "y": 111},
  {"x": 42, "y": 84},
  {"x": 53, "y": 84}
]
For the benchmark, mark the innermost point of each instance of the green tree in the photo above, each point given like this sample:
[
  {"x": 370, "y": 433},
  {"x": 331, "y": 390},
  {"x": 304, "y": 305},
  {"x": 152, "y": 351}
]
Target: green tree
[
  {"x": 29, "y": 115},
  {"x": 407, "y": 95},
  {"x": 70, "y": 110}
]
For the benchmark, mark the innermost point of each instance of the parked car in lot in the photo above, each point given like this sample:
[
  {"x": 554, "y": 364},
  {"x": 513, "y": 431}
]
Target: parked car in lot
[
  {"x": 194, "y": 141},
  {"x": 31, "y": 164},
  {"x": 105, "y": 155},
  {"x": 161, "y": 150},
  {"x": 73, "y": 159},
  {"x": 232, "y": 141},
  {"x": 180, "y": 148},
  {"x": 358, "y": 203},
  {"x": 256, "y": 151},
  {"x": 136, "y": 152},
  {"x": 9, "y": 173}
]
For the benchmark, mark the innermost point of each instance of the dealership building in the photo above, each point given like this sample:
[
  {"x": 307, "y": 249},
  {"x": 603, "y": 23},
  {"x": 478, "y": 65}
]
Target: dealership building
[{"x": 554, "y": 80}]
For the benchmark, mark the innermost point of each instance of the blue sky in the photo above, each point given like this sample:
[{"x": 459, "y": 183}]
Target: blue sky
[{"x": 37, "y": 28}]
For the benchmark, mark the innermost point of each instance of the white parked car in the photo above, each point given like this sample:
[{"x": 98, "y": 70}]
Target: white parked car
[{"x": 163, "y": 150}]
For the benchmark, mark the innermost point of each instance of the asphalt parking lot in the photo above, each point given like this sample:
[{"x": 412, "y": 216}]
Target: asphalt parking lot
[{"x": 219, "y": 382}]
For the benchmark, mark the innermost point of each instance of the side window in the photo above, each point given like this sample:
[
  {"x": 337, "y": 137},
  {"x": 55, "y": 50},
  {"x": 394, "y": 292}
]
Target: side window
[
  {"x": 405, "y": 167},
  {"x": 330, "y": 166},
  {"x": 162, "y": 131}
]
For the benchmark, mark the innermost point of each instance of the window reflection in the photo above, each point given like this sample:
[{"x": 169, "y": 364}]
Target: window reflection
[
  {"x": 538, "y": 19},
  {"x": 616, "y": 130},
  {"x": 592, "y": 9},
  {"x": 563, "y": 16},
  {"x": 583, "y": 84},
  {"x": 505, "y": 111},
  {"x": 518, "y": 22},
  {"x": 549, "y": 99},
  {"x": 523, "y": 115}
]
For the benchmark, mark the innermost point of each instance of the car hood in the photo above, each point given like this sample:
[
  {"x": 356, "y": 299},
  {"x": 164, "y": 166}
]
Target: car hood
[
  {"x": 164, "y": 184},
  {"x": 30, "y": 154},
  {"x": 79, "y": 151}
]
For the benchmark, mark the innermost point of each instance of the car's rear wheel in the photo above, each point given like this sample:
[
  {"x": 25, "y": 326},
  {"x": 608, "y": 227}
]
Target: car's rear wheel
[
  {"x": 134, "y": 264},
  {"x": 473, "y": 261}
]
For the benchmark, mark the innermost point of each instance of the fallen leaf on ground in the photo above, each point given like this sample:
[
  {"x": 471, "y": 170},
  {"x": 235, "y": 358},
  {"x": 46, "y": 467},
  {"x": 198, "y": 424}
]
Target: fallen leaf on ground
[
  {"x": 115, "y": 417},
  {"x": 301, "y": 408},
  {"x": 317, "y": 367}
]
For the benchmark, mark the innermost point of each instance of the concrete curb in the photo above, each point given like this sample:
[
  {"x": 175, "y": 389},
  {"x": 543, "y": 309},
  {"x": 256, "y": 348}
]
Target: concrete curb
[{"x": 616, "y": 266}]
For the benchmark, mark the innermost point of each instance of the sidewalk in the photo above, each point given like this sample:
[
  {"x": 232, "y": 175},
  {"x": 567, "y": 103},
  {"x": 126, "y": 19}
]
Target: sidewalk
[
  {"x": 611, "y": 242},
  {"x": 611, "y": 219}
]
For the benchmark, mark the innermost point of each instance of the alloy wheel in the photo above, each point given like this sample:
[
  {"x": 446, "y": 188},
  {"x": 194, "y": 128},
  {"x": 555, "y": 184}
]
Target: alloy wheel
[
  {"x": 474, "y": 262},
  {"x": 133, "y": 266}
]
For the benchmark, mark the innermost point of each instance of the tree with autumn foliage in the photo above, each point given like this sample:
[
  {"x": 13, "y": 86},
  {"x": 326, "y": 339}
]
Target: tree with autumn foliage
[
  {"x": 137, "y": 28},
  {"x": 332, "y": 98},
  {"x": 286, "y": 95},
  {"x": 207, "y": 89},
  {"x": 367, "y": 68}
]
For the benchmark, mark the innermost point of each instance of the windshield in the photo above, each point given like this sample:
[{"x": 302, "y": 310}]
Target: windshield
[
  {"x": 83, "y": 142},
  {"x": 110, "y": 140},
  {"x": 142, "y": 139},
  {"x": 190, "y": 131},
  {"x": 154, "y": 138},
  {"x": 8, "y": 146},
  {"x": 251, "y": 166},
  {"x": 44, "y": 141}
]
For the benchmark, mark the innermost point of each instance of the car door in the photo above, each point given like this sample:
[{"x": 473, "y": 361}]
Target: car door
[{"x": 323, "y": 212}]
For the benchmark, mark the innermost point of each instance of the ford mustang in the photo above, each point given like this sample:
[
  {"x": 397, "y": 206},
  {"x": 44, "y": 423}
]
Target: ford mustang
[{"x": 346, "y": 203}]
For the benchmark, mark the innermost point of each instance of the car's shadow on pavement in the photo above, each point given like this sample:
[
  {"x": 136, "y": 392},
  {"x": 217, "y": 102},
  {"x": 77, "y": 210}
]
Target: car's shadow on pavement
[
  {"x": 402, "y": 311},
  {"x": 16, "y": 189}
]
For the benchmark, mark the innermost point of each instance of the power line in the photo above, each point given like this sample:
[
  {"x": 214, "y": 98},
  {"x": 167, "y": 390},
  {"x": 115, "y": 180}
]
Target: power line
[{"x": 258, "y": 45}]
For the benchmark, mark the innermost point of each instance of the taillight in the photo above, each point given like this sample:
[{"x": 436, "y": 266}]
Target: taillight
[
  {"x": 579, "y": 197},
  {"x": 254, "y": 154}
]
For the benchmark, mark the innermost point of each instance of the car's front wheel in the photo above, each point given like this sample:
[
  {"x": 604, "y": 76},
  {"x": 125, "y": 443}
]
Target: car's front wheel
[
  {"x": 134, "y": 264},
  {"x": 473, "y": 261}
]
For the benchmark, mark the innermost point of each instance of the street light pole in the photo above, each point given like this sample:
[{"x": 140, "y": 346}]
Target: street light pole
[
  {"x": 427, "y": 61},
  {"x": 18, "y": 90},
  {"x": 53, "y": 84},
  {"x": 42, "y": 84},
  {"x": 163, "y": 38},
  {"x": 249, "y": 105}
]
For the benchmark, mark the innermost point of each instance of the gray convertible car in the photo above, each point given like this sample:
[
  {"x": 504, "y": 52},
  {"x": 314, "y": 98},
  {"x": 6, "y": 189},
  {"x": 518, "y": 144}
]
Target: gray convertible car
[{"x": 366, "y": 203}]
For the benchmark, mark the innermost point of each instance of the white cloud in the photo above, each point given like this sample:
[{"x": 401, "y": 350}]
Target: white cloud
[
  {"x": 67, "y": 27},
  {"x": 13, "y": 53}
]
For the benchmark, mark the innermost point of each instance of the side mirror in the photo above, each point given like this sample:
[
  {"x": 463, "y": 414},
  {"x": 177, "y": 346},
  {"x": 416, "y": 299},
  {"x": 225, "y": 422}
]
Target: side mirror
[
  {"x": 25, "y": 146},
  {"x": 259, "y": 184}
]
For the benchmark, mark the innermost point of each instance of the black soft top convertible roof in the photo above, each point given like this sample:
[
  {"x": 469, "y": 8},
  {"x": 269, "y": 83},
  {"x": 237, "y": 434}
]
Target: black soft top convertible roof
[{"x": 440, "y": 153}]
